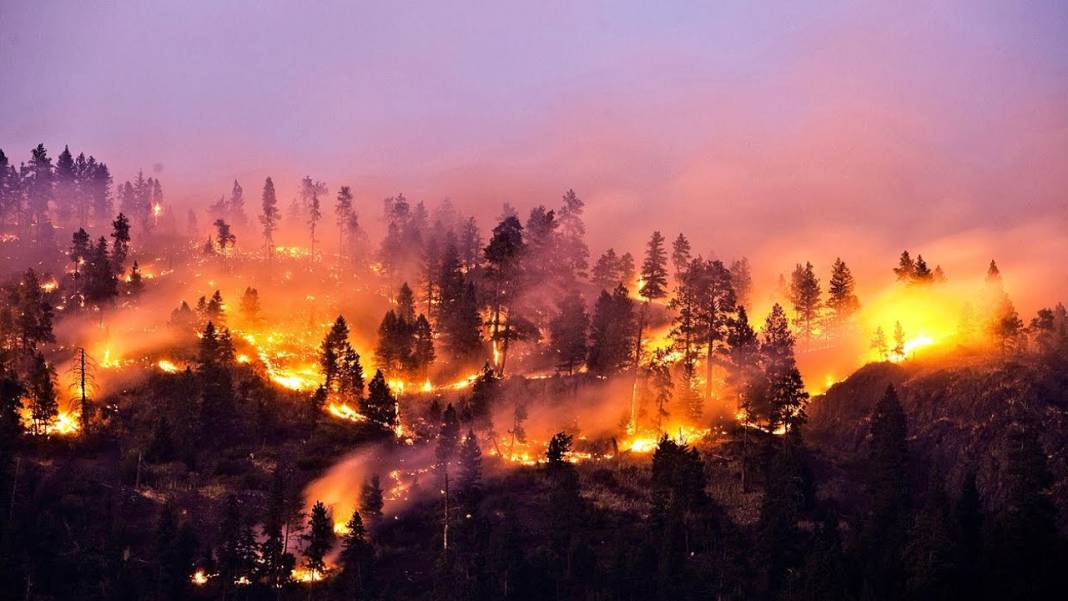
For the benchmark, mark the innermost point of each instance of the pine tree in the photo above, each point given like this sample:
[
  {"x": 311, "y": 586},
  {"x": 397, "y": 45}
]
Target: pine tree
[
  {"x": 332, "y": 352},
  {"x": 236, "y": 205},
  {"x": 716, "y": 308},
  {"x": 469, "y": 482},
  {"x": 899, "y": 341},
  {"x": 380, "y": 406},
  {"x": 33, "y": 317},
  {"x": 120, "y": 246},
  {"x": 611, "y": 333},
  {"x": 319, "y": 539},
  {"x": 805, "y": 297},
  {"x": 422, "y": 344},
  {"x": 887, "y": 487},
  {"x": 572, "y": 232},
  {"x": 742, "y": 281},
  {"x": 39, "y": 185},
  {"x": 841, "y": 293},
  {"x": 275, "y": 562},
  {"x": 135, "y": 284},
  {"x": 224, "y": 237},
  {"x": 906, "y": 268},
  {"x": 343, "y": 211},
  {"x": 922, "y": 274},
  {"x": 371, "y": 500},
  {"x": 78, "y": 255},
  {"x": 462, "y": 329},
  {"x": 40, "y": 385},
  {"x": 1027, "y": 555},
  {"x": 567, "y": 333},
  {"x": 101, "y": 284},
  {"x": 236, "y": 552},
  {"x": 65, "y": 186},
  {"x": 356, "y": 557},
  {"x": 269, "y": 216},
  {"x": 174, "y": 549},
  {"x": 880, "y": 345},
  {"x": 1006, "y": 326},
  {"x": 250, "y": 306}
]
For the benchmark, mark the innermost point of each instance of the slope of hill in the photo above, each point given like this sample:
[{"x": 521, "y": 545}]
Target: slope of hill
[{"x": 959, "y": 409}]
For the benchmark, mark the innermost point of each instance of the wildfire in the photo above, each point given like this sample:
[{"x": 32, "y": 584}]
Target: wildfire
[
  {"x": 49, "y": 285},
  {"x": 307, "y": 575},
  {"x": 107, "y": 361},
  {"x": 167, "y": 366},
  {"x": 345, "y": 411}
]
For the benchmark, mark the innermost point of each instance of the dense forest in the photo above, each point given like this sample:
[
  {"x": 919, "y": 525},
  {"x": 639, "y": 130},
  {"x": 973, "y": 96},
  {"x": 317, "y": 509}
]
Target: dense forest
[{"x": 398, "y": 403}]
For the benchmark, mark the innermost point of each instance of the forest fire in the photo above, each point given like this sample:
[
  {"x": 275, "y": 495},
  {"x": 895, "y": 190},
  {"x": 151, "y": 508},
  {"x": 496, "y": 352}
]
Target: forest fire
[{"x": 299, "y": 333}]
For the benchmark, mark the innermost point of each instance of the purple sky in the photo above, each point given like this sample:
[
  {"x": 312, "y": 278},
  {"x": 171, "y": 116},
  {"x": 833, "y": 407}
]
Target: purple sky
[{"x": 896, "y": 125}]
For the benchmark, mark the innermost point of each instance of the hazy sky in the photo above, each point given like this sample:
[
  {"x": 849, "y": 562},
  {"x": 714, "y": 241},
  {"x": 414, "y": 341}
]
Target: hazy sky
[{"x": 748, "y": 127}]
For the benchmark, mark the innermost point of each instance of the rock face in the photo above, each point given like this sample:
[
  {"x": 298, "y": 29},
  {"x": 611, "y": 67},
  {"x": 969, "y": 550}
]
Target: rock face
[{"x": 959, "y": 412}]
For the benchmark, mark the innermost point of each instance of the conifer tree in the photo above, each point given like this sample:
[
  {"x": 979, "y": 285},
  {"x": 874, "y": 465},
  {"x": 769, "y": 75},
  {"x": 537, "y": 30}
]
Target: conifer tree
[
  {"x": 880, "y": 345},
  {"x": 469, "y": 482},
  {"x": 236, "y": 205},
  {"x": 356, "y": 557},
  {"x": 79, "y": 254},
  {"x": 319, "y": 539},
  {"x": 380, "y": 406},
  {"x": 120, "y": 246},
  {"x": 841, "y": 293},
  {"x": 236, "y": 552},
  {"x": 922, "y": 274},
  {"x": 343, "y": 212},
  {"x": 269, "y": 216},
  {"x": 887, "y": 487},
  {"x": 40, "y": 385},
  {"x": 568, "y": 333},
  {"x": 899, "y": 341},
  {"x": 906, "y": 268},
  {"x": 250, "y": 306},
  {"x": 371, "y": 500},
  {"x": 680, "y": 257},
  {"x": 805, "y": 297},
  {"x": 742, "y": 281},
  {"x": 716, "y": 309},
  {"x": 611, "y": 333},
  {"x": 572, "y": 232}
]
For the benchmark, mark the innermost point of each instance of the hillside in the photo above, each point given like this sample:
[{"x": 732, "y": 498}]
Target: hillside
[{"x": 959, "y": 409}]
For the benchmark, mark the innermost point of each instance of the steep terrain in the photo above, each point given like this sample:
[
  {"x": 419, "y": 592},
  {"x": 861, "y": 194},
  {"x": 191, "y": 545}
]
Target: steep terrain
[{"x": 959, "y": 409}]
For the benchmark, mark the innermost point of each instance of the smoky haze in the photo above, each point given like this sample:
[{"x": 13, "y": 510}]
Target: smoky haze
[{"x": 854, "y": 131}]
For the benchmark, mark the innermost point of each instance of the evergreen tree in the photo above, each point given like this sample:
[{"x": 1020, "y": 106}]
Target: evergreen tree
[
  {"x": 422, "y": 343},
  {"x": 236, "y": 551},
  {"x": 841, "y": 293},
  {"x": 567, "y": 333},
  {"x": 250, "y": 306},
  {"x": 224, "y": 237},
  {"x": 742, "y": 281},
  {"x": 906, "y": 268},
  {"x": 356, "y": 557},
  {"x": 899, "y": 341},
  {"x": 887, "y": 486},
  {"x": 371, "y": 500},
  {"x": 174, "y": 549},
  {"x": 236, "y": 205},
  {"x": 572, "y": 232},
  {"x": 380, "y": 406},
  {"x": 880, "y": 345},
  {"x": 1027, "y": 554},
  {"x": 922, "y": 274},
  {"x": 319, "y": 539},
  {"x": 469, "y": 482},
  {"x": 458, "y": 322},
  {"x": 135, "y": 284},
  {"x": 680, "y": 257},
  {"x": 120, "y": 246},
  {"x": 805, "y": 297},
  {"x": 65, "y": 186},
  {"x": 716, "y": 308},
  {"x": 1006, "y": 327},
  {"x": 269, "y": 216},
  {"x": 275, "y": 562},
  {"x": 101, "y": 283},
  {"x": 332, "y": 352},
  {"x": 33, "y": 313},
  {"x": 40, "y": 385},
  {"x": 343, "y": 212},
  {"x": 39, "y": 185},
  {"x": 611, "y": 333}
]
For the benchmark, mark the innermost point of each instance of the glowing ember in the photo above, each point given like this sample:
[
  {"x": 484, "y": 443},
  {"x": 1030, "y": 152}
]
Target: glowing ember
[{"x": 199, "y": 577}]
